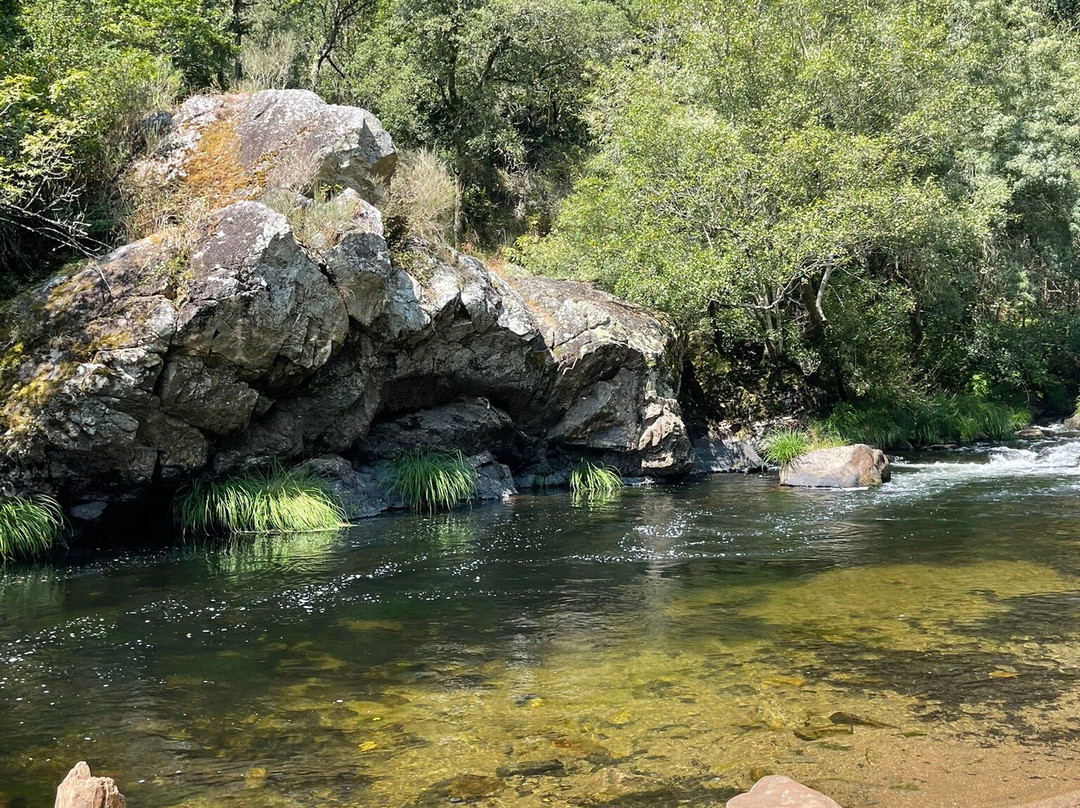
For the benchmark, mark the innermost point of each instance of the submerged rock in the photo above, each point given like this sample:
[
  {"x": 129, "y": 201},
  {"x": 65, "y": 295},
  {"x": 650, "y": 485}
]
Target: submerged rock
[
  {"x": 855, "y": 466},
  {"x": 776, "y": 791},
  {"x": 81, "y": 789}
]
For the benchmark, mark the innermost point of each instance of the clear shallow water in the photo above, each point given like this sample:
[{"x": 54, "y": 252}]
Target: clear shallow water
[{"x": 665, "y": 648}]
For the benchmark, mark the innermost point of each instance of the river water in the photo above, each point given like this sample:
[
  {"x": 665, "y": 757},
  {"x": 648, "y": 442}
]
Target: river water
[{"x": 918, "y": 645}]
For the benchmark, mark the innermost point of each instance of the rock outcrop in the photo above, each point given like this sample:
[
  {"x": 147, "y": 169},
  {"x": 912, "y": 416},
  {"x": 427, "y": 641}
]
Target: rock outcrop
[
  {"x": 855, "y": 466},
  {"x": 776, "y": 791},
  {"x": 279, "y": 326},
  {"x": 81, "y": 789}
]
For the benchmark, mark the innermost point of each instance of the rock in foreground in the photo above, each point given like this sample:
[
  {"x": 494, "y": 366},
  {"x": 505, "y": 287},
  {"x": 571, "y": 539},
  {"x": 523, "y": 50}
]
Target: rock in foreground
[
  {"x": 81, "y": 789},
  {"x": 855, "y": 466},
  {"x": 776, "y": 791}
]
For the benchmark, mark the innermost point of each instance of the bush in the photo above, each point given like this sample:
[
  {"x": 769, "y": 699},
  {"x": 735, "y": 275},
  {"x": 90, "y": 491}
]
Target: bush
[
  {"x": 29, "y": 526},
  {"x": 430, "y": 480},
  {"x": 939, "y": 419},
  {"x": 424, "y": 197},
  {"x": 273, "y": 501},
  {"x": 594, "y": 479}
]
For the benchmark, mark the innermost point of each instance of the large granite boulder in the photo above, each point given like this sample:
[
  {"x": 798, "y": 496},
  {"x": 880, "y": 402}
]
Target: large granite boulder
[
  {"x": 81, "y": 789},
  {"x": 855, "y": 466},
  {"x": 237, "y": 146},
  {"x": 776, "y": 791},
  {"x": 614, "y": 383},
  {"x": 253, "y": 333}
]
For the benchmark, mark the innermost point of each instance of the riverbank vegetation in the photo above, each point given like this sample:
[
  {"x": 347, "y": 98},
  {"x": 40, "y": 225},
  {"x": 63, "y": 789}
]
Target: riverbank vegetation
[
  {"x": 874, "y": 207},
  {"x": 260, "y": 502},
  {"x": 588, "y": 479},
  {"x": 29, "y": 526},
  {"x": 429, "y": 480}
]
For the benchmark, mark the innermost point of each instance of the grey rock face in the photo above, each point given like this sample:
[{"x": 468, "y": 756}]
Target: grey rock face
[
  {"x": 854, "y": 466},
  {"x": 776, "y": 791},
  {"x": 174, "y": 357},
  {"x": 714, "y": 454}
]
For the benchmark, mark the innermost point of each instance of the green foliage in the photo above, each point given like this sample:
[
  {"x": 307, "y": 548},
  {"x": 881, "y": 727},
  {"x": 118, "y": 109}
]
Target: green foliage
[
  {"x": 29, "y": 526},
  {"x": 594, "y": 479},
  {"x": 923, "y": 422},
  {"x": 430, "y": 480},
  {"x": 273, "y": 501},
  {"x": 784, "y": 445},
  {"x": 882, "y": 195}
]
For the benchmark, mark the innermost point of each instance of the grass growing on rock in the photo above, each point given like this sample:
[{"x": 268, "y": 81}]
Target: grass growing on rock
[
  {"x": 428, "y": 480},
  {"x": 594, "y": 479},
  {"x": 29, "y": 526},
  {"x": 786, "y": 444},
  {"x": 273, "y": 501}
]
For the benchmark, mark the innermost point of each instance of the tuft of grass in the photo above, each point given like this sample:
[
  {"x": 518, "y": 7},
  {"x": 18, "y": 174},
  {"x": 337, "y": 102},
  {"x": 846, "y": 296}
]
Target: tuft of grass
[
  {"x": 594, "y": 479},
  {"x": 29, "y": 526},
  {"x": 430, "y": 480},
  {"x": 273, "y": 501},
  {"x": 923, "y": 422},
  {"x": 424, "y": 196},
  {"x": 784, "y": 445}
]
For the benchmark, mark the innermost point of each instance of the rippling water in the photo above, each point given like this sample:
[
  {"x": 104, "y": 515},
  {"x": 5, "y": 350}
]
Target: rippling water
[{"x": 916, "y": 645}]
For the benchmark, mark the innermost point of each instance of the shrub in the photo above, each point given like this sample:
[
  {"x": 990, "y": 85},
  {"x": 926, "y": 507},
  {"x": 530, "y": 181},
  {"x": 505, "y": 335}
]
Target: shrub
[
  {"x": 29, "y": 526},
  {"x": 784, "y": 445},
  {"x": 430, "y": 480},
  {"x": 424, "y": 196},
  {"x": 594, "y": 479},
  {"x": 273, "y": 501},
  {"x": 921, "y": 422}
]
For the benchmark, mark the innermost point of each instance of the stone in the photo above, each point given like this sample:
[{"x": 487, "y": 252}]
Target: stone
[
  {"x": 232, "y": 343},
  {"x": 855, "y": 466},
  {"x": 776, "y": 791},
  {"x": 714, "y": 454},
  {"x": 1073, "y": 422},
  {"x": 614, "y": 387},
  {"x": 81, "y": 789}
]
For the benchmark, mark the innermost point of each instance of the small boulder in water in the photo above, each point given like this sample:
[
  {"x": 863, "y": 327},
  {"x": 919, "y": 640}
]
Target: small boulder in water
[
  {"x": 776, "y": 791},
  {"x": 855, "y": 466},
  {"x": 1073, "y": 422},
  {"x": 81, "y": 789}
]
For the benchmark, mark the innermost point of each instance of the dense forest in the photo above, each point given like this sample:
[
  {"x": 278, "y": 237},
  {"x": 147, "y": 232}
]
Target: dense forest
[{"x": 873, "y": 207}]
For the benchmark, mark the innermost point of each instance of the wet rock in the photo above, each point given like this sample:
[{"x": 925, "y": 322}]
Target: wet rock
[
  {"x": 463, "y": 788},
  {"x": 776, "y": 791},
  {"x": 1030, "y": 433},
  {"x": 816, "y": 733},
  {"x": 81, "y": 789},
  {"x": 854, "y": 466},
  {"x": 725, "y": 454},
  {"x": 1073, "y": 422},
  {"x": 613, "y": 784},
  {"x": 532, "y": 768},
  {"x": 851, "y": 720}
]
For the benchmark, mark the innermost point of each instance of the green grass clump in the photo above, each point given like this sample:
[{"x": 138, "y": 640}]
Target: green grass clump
[
  {"x": 594, "y": 479},
  {"x": 273, "y": 501},
  {"x": 784, "y": 445},
  {"x": 430, "y": 480},
  {"x": 922, "y": 422},
  {"x": 29, "y": 526}
]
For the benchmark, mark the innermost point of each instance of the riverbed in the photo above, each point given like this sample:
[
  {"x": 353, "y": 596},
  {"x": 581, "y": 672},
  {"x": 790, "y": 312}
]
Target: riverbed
[{"x": 918, "y": 645}]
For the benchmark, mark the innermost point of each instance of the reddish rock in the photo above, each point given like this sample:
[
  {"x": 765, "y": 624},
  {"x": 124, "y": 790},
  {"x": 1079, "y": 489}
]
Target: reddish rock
[
  {"x": 81, "y": 789},
  {"x": 775, "y": 791}
]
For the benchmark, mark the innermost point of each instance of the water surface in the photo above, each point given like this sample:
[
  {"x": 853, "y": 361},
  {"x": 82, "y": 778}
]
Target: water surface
[{"x": 916, "y": 645}]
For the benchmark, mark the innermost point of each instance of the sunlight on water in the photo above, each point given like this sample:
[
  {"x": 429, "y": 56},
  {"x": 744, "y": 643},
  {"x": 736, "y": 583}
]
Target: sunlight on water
[{"x": 664, "y": 648}]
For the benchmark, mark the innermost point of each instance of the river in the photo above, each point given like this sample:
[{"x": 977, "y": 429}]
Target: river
[{"x": 918, "y": 645}]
